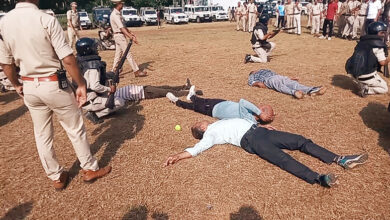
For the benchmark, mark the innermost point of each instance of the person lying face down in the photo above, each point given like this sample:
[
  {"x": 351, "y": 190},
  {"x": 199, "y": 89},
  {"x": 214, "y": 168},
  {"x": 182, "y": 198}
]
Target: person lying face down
[
  {"x": 268, "y": 144},
  {"x": 223, "y": 109}
]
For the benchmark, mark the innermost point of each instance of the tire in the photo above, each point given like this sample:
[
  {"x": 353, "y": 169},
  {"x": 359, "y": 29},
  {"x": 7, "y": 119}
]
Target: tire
[
  {"x": 197, "y": 19},
  {"x": 214, "y": 19},
  {"x": 173, "y": 21}
]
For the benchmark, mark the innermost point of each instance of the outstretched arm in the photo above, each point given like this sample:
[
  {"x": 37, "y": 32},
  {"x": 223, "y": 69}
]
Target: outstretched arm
[
  {"x": 259, "y": 84},
  {"x": 177, "y": 157}
]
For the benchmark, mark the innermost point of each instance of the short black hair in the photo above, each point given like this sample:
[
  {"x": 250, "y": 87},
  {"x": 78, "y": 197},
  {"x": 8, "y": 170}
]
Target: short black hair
[{"x": 197, "y": 133}]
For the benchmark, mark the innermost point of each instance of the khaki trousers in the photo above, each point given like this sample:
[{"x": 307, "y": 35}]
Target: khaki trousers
[
  {"x": 238, "y": 22},
  {"x": 262, "y": 54},
  {"x": 358, "y": 24},
  {"x": 297, "y": 23},
  {"x": 341, "y": 24},
  {"x": 348, "y": 25},
  {"x": 244, "y": 23},
  {"x": 252, "y": 21},
  {"x": 120, "y": 47},
  {"x": 315, "y": 28},
  {"x": 376, "y": 85},
  {"x": 290, "y": 22},
  {"x": 72, "y": 35},
  {"x": 276, "y": 20},
  {"x": 309, "y": 20},
  {"x": 98, "y": 106},
  {"x": 43, "y": 99}
]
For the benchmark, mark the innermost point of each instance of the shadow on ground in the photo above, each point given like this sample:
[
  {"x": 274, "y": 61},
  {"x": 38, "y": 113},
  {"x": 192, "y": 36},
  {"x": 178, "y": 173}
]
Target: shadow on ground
[
  {"x": 8, "y": 97},
  {"x": 19, "y": 212},
  {"x": 344, "y": 82},
  {"x": 117, "y": 128},
  {"x": 12, "y": 115},
  {"x": 246, "y": 213},
  {"x": 141, "y": 213},
  {"x": 146, "y": 66},
  {"x": 376, "y": 117}
]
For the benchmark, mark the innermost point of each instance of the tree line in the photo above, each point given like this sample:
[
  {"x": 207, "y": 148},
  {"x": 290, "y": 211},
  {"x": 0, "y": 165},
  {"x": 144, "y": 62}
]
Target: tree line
[{"x": 61, "y": 6}]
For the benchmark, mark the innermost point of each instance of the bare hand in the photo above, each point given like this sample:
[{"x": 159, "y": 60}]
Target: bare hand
[
  {"x": 113, "y": 89},
  {"x": 81, "y": 95},
  {"x": 175, "y": 158},
  {"x": 19, "y": 90},
  {"x": 295, "y": 78},
  {"x": 269, "y": 127}
]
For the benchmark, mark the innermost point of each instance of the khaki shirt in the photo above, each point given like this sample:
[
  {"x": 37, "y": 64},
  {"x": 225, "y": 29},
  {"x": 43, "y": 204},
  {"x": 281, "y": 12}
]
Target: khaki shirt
[
  {"x": 297, "y": 9},
  {"x": 116, "y": 21},
  {"x": 309, "y": 7},
  {"x": 289, "y": 8},
  {"x": 32, "y": 40},
  {"x": 363, "y": 8},
  {"x": 252, "y": 8},
  {"x": 74, "y": 18},
  {"x": 316, "y": 9}
]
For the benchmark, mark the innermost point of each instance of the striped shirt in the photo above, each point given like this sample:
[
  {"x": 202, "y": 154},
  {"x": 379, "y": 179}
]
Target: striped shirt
[
  {"x": 131, "y": 93},
  {"x": 260, "y": 76}
]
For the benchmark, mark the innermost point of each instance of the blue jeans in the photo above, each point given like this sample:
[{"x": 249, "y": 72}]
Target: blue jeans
[{"x": 285, "y": 85}]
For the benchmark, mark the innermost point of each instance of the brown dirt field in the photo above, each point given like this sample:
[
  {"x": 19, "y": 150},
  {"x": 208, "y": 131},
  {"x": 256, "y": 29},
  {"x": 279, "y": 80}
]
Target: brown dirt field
[{"x": 224, "y": 182}]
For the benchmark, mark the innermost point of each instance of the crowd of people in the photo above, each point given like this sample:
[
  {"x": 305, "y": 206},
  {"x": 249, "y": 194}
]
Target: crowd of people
[{"x": 242, "y": 123}]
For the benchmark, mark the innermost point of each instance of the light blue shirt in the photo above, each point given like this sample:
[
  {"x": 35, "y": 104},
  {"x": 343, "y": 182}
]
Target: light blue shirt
[
  {"x": 243, "y": 109},
  {"x": 227, "y": 131},
  {"x": 281, "y": 10}
]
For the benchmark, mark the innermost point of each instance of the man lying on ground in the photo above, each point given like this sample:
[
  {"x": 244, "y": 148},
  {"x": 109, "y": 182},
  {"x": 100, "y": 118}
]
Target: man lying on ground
[
  {"x": 94, "y": 72},
  {"x": 222, "y": 109},
  {"x": 267, "y": 144},
  {"x": 265, "y": 78}
]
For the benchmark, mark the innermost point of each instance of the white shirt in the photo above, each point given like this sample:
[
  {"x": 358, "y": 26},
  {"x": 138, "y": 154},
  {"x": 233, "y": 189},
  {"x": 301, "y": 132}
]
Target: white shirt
[
  {"x": 373, "y": 8},
  {"x": 252, "y": 8},
  {"x": 228, "y": 131}
]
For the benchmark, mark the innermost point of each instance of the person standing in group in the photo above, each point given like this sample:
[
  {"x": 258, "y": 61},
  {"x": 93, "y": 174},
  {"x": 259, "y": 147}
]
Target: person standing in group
[
  {"x": 229, "y": 14},
  {"x": 349, "y": 18},
  {"x": 245, "y": 18},
  {"x": 252, "y": 15},
  {"x": 239, "y": 15},
  {"x": 297, "y": 17},
  {"x": 281, "y": 13},
  {"x": 373, "y": 12},
  {"x": 309, "y": 8},
  {"x": 73, "y": 19},
  {"x": 330, "y": 17},
  {"x": 45, "y": 88},
  {"x": 323, "y": 12},
  {"x": 386, "y": 16},
  {"x": 233, "y": 13},
  {"x": 277, "y": 14},
  {"x": 120, "y": 34},
  {"x": 341, "y": 21},
  {"x": 289, "y": 10},
  {"x": 360, "y": 20},
  {"x": 316, "y": 18}
]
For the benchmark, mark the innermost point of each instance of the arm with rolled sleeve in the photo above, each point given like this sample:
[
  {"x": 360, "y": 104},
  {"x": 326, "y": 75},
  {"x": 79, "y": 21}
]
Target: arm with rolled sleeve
[
  {"x": 92, "y": 76},
  {"x": 250, "y": 107}
]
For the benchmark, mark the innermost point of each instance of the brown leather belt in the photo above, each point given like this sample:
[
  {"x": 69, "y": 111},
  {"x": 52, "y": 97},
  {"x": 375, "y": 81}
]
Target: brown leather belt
[
  {"x": 363, "y": 15},
  {"x": 118, "y": 33},
  {"x": 40, "y": 79}
]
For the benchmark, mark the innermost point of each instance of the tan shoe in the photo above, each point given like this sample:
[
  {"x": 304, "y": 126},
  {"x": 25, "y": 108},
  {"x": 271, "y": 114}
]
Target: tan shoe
[
  {"x": 61, "y": 183},
  {"x": 90, "y": 175}
]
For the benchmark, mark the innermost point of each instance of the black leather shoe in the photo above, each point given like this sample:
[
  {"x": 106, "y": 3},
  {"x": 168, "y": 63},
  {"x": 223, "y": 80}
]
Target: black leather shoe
[{"x": 93, "y": 118}]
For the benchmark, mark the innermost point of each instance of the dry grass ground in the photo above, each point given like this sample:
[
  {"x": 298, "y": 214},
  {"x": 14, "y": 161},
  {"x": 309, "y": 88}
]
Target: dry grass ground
[{"x": 224, "y": 182}]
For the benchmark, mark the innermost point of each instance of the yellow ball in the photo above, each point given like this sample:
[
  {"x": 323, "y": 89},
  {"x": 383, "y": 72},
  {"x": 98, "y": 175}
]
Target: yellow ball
[{"x": 178, "y": 128}]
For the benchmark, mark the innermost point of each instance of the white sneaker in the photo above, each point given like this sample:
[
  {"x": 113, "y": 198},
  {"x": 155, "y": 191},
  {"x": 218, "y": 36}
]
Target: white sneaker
[
  {"x": 191, "y": 93},
  {"x": 322, "y": 37},
  {"x": 172, "y": 97},
  {"x": 329, "y": 38}
]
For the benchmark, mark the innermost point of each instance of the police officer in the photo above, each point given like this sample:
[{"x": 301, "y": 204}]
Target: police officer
[
  {"x": 259, "y": 42},
  {"x": 239, "y": 15},
  {"x": 297, "y": 17},
  {"x": 289, "y": 9},
  {"x": 370, "y": 82},
  {"x": 120, "y": 34},
  {"x": 73, "y": 23},
  {"x": 39, "y": 59},
  {"x": 252, "y": 15},
  {"x": 316, "y": 18},
  {"x": 360, "y": 20}
]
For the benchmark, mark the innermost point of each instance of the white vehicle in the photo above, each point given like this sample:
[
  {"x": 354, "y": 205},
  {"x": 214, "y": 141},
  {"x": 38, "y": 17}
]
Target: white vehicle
[
  {"x": 197, "y": 13},
  {"x": 218, "y": 14},
  {"x": 304, "y": 8},
  {"x": 175, "y": 15},
  {"x": 131, "y": 17},
  {"x": 148, "y": 16},
  {"x": 85, "y": 22}
]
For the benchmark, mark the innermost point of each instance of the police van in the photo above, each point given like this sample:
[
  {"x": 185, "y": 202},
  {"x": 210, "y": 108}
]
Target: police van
[
  {"x": 131, "y": 17},
  {"x": 218, "y": 14},
  {"x": 175, "y": 15},
  {"x": 197, "y": 13},
  {"x": 148, "y": 16},
  {"x": 85, "y": 22}
]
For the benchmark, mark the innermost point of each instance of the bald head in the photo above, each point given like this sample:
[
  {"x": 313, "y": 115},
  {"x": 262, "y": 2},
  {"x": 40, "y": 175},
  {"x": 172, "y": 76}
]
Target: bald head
[{"x": 267, "y": 113}]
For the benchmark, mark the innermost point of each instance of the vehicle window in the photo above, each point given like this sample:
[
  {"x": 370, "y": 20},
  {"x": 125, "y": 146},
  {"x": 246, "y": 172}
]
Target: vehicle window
[
  {"x": 198, "y": 9},
  {"x": 83, "y": 14},
  {"x": 150, "y": 12},
  {"x": 129, "y": 12},
  {"x": 205, "y": 9},
  {"x": 177, "y": 10}
]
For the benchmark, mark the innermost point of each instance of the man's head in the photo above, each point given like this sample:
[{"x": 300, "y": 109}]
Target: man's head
[
  {"x": 264, "y": 19},
  {"x": 73, "y": 6},
  {"x": 118, "y": 4},
  {"x": 288, "y": 1},
  {"x": 199, "y": 128},
  {"x": 252, "y": 1},
  {"x": 377, "y": 28},
  {"x": 267, "y": 113},
  {"x": 239, "y": 4},
  {"x": 86, "y": 46}
]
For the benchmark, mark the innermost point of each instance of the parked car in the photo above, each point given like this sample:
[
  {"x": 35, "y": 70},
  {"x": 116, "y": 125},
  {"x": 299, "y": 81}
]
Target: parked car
[
  {"x": 101, "y": 16},
  {"x": 175, "y": 15},
  {"x": 148, "y": 16},
  {"x": 85, "y": 22},
  {"x": 218, "y": 13},
  {"x": 266, "y": 8},
  {"x": 197, "y": 13},
  {"x": 304, "y": 8},
  {"x": 131, "y": 17}
]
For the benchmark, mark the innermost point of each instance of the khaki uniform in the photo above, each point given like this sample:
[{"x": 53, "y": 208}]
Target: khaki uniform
[
  {"x": 73, "y": 35},
  {"x": 309, "y": 7},
  {"x": 289, "y": 9},
  {"x": 277, "y": 15},
  {"x": 39, "y": 57},
  {"x": 252, "y": 16},
  {"x": 262, "y": 53},
  {"x": 360, "y": 20},
  {"x": 245, "y": 19},
  {"x": 349, "y": 18},
  {"x": 239, "y": 16},
  {"x": 297, "y": 18},
  {"x": 316, "y": 18},
  {"x": 116, "y": 21},
  {"x": 342, "y": 19}
]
